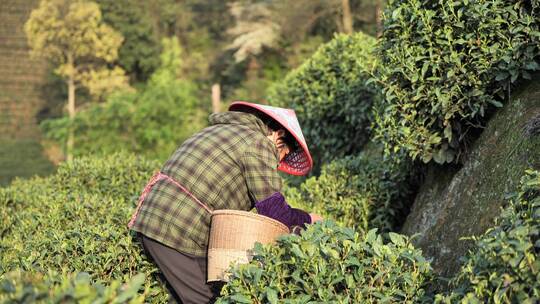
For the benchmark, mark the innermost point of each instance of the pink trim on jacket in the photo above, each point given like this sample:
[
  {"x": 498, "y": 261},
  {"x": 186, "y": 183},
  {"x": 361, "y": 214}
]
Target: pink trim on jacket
[{"x": 158, "y": 176}]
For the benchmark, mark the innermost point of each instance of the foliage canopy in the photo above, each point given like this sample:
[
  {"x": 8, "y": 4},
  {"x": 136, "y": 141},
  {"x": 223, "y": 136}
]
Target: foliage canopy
[
  {"x": 443, "y": 65},
  {"x": 139, "y": 53},
  {"x": 153, "y": 120},
  {"x": 72, "y": 34}
]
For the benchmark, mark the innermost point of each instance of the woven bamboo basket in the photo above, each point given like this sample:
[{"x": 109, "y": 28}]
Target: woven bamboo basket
[{"x": 233, "y": 234}]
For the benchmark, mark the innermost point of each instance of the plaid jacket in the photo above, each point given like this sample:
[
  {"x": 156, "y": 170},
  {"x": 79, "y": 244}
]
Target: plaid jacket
[{"x": 229, "y": 165}]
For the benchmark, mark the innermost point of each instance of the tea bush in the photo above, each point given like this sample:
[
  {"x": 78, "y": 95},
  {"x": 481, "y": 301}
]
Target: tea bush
[
  {"x": 365, "y": 191},
  {"x": 504, "y": 266},
  {"x": 329, "y": 95},
  {"x": 331, "y": 264},
  {"x": 445, "y": 64},
  {"x": 76, "y": 221},
  {"x": 20, "y": 287}
]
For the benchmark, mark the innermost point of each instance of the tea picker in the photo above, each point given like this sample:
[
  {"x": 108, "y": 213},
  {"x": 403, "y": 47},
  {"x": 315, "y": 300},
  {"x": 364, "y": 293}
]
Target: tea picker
[{"x": 231, "y": 165}]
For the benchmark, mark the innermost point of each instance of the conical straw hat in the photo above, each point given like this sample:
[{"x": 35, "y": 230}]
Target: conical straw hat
[{"x": 297, "y": 162}]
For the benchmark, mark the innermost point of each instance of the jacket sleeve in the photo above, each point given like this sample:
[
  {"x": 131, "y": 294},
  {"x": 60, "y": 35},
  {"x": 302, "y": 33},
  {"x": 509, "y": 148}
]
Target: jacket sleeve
[
  {"x": 259, "y": 162},
  {"x": 275, "y": 207}
]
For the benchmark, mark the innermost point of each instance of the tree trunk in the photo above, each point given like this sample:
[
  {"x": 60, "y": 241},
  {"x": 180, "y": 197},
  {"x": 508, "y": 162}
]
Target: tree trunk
[
  {"x": 253, "y": 67},
  {"x": 216, "y": 98},
  {"x": 339, "y": 23},
  {"x": 252, "y": 75},
  {"x": 71, "y": 113},
  {"x": 347, "y": 17},
  {"x": 378, "y": 17}
]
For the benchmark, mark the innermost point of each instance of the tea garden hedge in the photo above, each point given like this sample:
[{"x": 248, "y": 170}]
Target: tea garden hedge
[
  {"x": 364, "y": 192},
  {"x": 371, "y": 111},
  {"x": 444, "y": 65},
  {"x": 20, "y": 287},
  {"x": 330, "y": 96},
  {"x": 71, "y": 227},
  {"x": 332, "y": 264},
  {"x": 64, "y": 240},
  {"x": 504, "y": 267}
]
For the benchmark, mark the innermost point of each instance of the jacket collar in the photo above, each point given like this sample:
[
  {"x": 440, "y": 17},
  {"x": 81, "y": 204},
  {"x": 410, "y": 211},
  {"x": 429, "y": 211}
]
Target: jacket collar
[{"x": 239, "y": 118}]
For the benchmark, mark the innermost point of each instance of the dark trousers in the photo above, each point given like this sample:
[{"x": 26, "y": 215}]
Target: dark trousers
[{"x": 185, "y": 273}]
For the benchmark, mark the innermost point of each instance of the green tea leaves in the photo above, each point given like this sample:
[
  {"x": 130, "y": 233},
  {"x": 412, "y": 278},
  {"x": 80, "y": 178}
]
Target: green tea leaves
[
  {"x": 450, "y": 65},
  {"x": 344, "y": 267}
]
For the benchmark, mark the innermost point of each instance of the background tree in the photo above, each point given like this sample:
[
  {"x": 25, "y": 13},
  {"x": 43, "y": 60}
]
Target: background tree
[
  {"x": 151, "y": 120},
  {"x": 267, "y": 38},
  {"x": 254, "y": 32},
  {"x": 254, "y": 29},
  {"x": 71, "y": 34},
  {"x": 139, "y": 53},
  {"x": 199, "y": 26}
]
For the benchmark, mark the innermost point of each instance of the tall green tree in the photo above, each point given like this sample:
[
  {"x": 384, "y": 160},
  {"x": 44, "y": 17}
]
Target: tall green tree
[
  {"x": 71, "y": 34},
  {"x": 139, "y": 53}
]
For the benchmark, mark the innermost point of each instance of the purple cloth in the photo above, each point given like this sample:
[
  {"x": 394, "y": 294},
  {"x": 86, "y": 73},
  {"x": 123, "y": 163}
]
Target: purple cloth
[{"x": 275, "y": 207}]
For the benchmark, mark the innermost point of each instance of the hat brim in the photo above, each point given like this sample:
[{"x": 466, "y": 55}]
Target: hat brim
[{"x": 297, "y": 162}]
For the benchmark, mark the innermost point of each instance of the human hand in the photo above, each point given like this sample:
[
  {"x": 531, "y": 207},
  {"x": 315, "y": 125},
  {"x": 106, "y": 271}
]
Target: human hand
[{"x": 315, "y": 217}]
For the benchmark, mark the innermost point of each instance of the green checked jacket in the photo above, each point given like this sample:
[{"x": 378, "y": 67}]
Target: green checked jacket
[{"x": 229, "y": 165}]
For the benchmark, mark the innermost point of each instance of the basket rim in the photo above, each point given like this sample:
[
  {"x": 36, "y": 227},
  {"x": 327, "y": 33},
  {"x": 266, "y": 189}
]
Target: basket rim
[{"x": 251, "y": 215}]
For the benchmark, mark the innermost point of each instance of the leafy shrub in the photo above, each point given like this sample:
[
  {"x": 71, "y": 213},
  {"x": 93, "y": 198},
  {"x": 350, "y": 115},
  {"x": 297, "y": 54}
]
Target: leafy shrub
[
  {"x": 331, "y": 264},
  {"x": 504, "y": 267},
  {"x": 443, "y": 63},
  {"x": 76, "y": 220},
  {"x": 153, "y": 121},
  {"x": 366, "y": 191},
  {"x": 329, "y": 95},
  {"x": 20, "y": 287}
]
